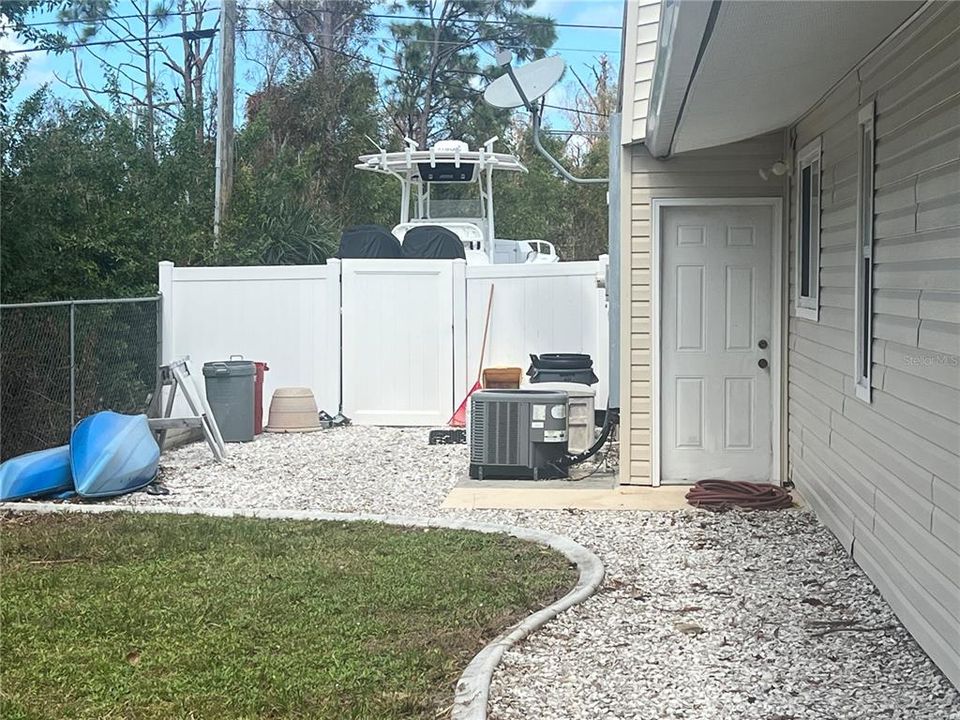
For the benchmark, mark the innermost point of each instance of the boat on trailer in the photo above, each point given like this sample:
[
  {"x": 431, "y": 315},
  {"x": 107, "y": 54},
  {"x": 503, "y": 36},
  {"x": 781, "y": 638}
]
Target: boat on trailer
[{"x": 451, "y": 186}]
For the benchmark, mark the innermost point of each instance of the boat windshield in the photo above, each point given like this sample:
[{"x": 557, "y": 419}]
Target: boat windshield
[
  {"x": 472, "y": 208},
  {"x": 453, "y": 200}
]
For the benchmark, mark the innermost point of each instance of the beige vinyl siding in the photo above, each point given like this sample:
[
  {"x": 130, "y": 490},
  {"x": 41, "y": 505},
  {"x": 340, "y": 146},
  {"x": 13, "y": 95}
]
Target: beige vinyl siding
[
  {"x": 642, "y": 22},
  {"x": 885, "y": 475},
  {"x": 727, "y": 171}
]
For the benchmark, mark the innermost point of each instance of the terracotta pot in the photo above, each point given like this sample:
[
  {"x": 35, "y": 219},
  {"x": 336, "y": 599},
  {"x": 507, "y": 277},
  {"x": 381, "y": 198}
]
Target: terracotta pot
[{"x": 293, "y": 409}]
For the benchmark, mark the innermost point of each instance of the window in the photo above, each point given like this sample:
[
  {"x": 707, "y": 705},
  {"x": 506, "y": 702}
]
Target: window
[
  {"x": 806, "y": 297},
  {"x": 863, "y": 287}
]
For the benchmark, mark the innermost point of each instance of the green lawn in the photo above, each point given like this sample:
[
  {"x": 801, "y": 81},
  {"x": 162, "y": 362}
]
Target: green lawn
[{"x": 147, "y": 616}]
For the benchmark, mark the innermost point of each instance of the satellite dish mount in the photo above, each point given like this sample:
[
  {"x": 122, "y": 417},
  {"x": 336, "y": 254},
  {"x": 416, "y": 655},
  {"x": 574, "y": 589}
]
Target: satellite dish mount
[{"x": 523, "y": 87}]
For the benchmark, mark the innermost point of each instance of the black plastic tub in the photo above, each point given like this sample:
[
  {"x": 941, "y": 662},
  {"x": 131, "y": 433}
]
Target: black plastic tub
[{"x": 562, "y": 367}]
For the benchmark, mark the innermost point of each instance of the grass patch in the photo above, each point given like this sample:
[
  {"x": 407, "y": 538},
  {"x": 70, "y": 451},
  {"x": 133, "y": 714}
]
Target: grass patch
[{"x": 150, "y": 616}]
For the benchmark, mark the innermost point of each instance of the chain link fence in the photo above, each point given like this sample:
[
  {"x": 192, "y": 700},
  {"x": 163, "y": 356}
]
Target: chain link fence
[{"x": 60, "y": 362}]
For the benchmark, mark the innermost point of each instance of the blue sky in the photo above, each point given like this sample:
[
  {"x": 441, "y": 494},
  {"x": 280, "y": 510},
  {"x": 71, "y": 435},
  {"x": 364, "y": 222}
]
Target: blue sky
[{"x": 578, "y": 46}]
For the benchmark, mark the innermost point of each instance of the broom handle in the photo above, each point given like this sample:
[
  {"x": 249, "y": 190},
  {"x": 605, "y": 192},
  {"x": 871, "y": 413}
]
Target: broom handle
[{"x": 486, "y": 327}]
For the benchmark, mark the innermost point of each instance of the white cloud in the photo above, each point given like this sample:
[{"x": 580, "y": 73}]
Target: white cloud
[
  {"x": 39, "y": 68},
  {"x": 8, "y": 39}
]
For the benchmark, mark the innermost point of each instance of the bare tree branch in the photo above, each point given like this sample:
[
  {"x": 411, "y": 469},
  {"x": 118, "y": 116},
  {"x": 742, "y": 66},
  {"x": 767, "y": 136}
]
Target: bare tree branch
[{"x": 78, "y": 69}]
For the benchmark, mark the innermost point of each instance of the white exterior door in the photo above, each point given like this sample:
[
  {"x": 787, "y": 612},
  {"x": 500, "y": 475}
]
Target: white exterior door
[
  {"x": 398, "y": 353},
  {"x": 716, "y": 343}
]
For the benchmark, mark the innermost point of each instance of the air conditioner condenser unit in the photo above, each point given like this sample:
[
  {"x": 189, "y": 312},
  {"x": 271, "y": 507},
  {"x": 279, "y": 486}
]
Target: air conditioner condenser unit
[{"x": 518, "y": 434}]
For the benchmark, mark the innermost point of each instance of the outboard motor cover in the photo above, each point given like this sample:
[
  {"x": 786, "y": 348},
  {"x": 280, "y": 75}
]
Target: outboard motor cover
[{"x": 368, "y": 241}]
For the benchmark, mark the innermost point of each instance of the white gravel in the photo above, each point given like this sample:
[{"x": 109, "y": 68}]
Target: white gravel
[{"x": 701, "y": 616}]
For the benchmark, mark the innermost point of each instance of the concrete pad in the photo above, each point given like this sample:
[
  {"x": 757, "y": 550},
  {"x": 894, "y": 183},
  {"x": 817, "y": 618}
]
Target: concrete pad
[{"x": 536, "y": 497}]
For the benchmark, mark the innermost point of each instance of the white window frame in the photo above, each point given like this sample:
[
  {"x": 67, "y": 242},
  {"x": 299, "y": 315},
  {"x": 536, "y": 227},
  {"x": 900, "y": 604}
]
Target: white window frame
[
  {"x": 808, "y": 305},
  {"x": 863, "y": 285}
]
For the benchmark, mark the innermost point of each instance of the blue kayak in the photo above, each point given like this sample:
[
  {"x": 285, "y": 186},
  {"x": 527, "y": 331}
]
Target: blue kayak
[
  {"x": 112, "y": 454},
  {"x": 36, "y": 474}
]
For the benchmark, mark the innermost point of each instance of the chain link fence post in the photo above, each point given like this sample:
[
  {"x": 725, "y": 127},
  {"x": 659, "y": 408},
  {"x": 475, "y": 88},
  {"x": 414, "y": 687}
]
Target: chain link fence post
[{"x": 73, "y": 364}]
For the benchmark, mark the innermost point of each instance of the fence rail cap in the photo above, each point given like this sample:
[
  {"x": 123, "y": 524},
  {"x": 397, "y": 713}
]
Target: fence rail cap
[{"x": 64, "y": 303}]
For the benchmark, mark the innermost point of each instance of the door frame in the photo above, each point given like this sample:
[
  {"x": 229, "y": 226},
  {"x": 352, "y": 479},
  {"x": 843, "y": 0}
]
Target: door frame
[{"x": 657, "y": 206}]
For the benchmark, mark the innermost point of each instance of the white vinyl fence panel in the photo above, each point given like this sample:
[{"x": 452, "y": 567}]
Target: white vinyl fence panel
[
  {"x": 388, "y": 342},
  {"x": 287, "y": 316},
  {"x": 537, "y": 309}
]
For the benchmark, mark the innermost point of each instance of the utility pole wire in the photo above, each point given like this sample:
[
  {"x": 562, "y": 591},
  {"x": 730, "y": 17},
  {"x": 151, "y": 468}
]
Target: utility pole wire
[
  {"x": 93, "y": 43},
  {"x": 407, "y": 73},
  {"x": 76, "y": 21},
  {"x": 488, "y": 22},
  {"x": 505, "y": 47},
  {"x": 174, "y": 13},
  {"x": 359, "y": 58}
]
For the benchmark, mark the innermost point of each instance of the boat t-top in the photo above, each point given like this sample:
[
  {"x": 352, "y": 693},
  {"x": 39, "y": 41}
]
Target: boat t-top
[{"x": 451, "y": 186}]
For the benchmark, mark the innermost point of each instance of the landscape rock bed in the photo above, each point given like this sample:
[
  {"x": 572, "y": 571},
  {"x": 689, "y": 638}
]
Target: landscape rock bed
[
  {"x": 701, "y": 616},
  {"x": 346, "y": 469}
]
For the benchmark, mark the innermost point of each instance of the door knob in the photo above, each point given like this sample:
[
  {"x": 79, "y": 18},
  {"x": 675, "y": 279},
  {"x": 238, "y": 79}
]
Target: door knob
[
  {"x": 762, "y": 362},
  {"x": 762, "y": 344}
]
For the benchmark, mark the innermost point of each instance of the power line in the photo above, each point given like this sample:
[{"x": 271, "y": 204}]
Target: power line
[
  {"x": 351, "y": 56},
  {"x": 374, "y": 63},
  {"x": 499, "y": 22},
  {"x": 507, "y": 47},
  {"x": 104, "y": 18},
  {"x": 380, "y": 16},
  {"x": 187, "y": 13},
  {"x": 577, "y": 110},
  {"x": 94, "y": 43},
  {"x": 416, "y": 76},
  {"x": 341, "y": 52}
]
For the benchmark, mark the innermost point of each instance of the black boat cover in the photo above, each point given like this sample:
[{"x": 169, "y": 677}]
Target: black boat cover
[
  {"x": 368, "y": 241},
  {"x": 432, "y": 242}
]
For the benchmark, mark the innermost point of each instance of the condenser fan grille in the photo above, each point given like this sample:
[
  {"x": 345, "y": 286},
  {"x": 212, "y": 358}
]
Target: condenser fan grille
[
  {"x": 478, "y": 432},
  {"x": 507, "y": 423},
  {"x": 496, "y": 433}
]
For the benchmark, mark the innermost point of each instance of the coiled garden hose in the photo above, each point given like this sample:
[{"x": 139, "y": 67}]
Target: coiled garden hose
[{"x": 725, "y": 494}]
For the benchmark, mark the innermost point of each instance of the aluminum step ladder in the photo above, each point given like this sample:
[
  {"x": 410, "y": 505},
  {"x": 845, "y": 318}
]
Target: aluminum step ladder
[{"x": 178, "y": 375}]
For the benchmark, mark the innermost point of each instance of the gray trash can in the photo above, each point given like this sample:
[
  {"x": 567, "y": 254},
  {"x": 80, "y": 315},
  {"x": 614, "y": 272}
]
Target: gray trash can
[{"x": 230, "y": 394}]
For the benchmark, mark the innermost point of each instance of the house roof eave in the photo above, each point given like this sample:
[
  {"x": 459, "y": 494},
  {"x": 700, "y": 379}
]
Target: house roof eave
[{"x": 684, "y": 32}]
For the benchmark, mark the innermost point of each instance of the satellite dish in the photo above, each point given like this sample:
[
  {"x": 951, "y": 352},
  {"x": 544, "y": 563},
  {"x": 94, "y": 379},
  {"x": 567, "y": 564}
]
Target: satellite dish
[{"x": 535, "y": 78}]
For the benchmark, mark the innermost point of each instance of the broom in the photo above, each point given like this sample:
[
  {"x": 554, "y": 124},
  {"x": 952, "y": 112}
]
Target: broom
[{"x": 459, "y": 418}]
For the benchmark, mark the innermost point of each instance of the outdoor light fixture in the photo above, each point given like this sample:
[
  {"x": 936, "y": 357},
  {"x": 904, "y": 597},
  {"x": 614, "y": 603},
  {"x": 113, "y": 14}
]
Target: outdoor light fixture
[{"x": 778, "y": 169}]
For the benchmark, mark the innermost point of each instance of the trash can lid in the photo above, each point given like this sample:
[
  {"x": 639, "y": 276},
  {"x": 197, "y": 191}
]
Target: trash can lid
[{"x": 229, "y": 368}]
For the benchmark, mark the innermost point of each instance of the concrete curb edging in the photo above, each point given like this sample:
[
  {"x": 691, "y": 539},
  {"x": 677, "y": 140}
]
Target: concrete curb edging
[{"x": 473, "y": 687}]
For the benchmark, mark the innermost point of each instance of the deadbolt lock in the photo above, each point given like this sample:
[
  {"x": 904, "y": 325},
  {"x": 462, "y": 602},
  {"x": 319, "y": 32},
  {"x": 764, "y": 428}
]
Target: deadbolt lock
[
  {"x": 762, "y": 362},
  {"x": 762, "y": 344}
]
